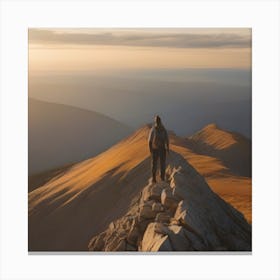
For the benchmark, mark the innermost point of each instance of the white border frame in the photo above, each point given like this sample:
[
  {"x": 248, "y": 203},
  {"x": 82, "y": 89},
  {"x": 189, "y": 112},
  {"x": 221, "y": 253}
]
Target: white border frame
[{"x": 18, "y": 16}]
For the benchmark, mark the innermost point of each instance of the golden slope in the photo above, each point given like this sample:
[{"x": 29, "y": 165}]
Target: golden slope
[
  {"x": 67, "y": 211},
  {"x": 233, "y": 149},
  {"x": 217, "y": 138}
]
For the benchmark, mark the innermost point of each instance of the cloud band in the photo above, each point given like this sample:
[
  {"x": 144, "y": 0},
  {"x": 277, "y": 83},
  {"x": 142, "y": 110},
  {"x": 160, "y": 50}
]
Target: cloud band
[{"x": 142, "y": 39}]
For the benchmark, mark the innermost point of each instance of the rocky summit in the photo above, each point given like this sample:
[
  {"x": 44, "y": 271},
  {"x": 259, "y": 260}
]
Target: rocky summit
[{"x": 181, "y": 214}]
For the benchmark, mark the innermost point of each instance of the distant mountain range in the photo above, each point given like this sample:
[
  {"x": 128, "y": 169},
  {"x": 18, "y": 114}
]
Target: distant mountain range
[
  {"x": 185, "y": 104},
  {"x": 60, "y": 134}
]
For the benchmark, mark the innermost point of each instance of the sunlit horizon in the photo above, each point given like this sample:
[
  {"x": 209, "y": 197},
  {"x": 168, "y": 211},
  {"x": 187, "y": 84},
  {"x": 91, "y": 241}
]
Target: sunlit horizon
[{"x": 78, "y": 50}]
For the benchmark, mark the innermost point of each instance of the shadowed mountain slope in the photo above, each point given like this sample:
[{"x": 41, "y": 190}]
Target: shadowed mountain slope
[{"x": 60, "y": 134}]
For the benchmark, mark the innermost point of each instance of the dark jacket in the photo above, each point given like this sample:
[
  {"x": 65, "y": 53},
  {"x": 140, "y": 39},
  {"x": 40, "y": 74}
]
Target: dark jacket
[{"x": 164, "y": 139}]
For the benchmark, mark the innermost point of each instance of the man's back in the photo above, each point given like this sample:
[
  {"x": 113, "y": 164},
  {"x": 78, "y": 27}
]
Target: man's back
[{"x": 158, "y": 137}]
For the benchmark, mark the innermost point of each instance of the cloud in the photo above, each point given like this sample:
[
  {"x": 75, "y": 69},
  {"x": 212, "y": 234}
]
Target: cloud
[{"x": 141, "y": 39}]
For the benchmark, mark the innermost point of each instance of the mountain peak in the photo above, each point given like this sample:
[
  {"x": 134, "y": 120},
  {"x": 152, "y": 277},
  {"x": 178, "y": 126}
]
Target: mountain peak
[
  {"x": 215, "y": 137},
  {"x": 232, "y": 148},
  {"x": 210, "y": 126}
]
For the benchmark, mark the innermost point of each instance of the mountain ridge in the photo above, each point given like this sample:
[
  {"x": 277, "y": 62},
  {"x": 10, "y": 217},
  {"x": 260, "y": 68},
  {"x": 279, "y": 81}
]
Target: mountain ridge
[
  {"x": 232, "y": 148},
  {"x": 62, "y": 212},
  {"x": 217, "y": 137},
  {"x": 169, "y": 216}
]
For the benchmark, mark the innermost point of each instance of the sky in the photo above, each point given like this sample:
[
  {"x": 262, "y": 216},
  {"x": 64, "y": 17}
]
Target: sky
[
  {"x": 113, "y": 49},
  {"x": 190, "y": 76}
]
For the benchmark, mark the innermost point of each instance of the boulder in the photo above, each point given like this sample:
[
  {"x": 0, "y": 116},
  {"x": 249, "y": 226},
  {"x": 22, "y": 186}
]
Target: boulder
[
  {"x": 153, "y": 191},
  {"x": 145, "y": 196},
  {"x": 155, "y": 239},
  {"x": 146, "y": 210},
  {"x": 173, "y": 221},
  {"x": 181, "y": 211},
  {"x": 157, "y": 207},
  {"x": 163, "y": 218},
  {"x": 149, "y": 210},
  {"x": 111, "y": 226},
  {"x": 168, "y": 200}
]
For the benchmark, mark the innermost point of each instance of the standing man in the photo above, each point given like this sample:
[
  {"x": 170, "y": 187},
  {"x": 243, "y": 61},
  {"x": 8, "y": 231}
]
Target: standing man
[{"x": 158, "y": 145}]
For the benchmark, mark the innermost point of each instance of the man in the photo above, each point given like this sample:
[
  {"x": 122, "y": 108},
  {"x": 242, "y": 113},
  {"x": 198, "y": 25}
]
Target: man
[{"x": 158, "y": 145}]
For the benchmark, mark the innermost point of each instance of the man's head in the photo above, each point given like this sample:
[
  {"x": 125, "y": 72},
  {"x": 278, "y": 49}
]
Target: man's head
[{"x": 157, "y": 120}]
